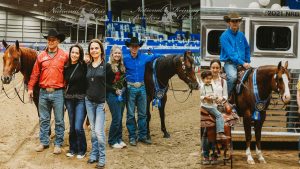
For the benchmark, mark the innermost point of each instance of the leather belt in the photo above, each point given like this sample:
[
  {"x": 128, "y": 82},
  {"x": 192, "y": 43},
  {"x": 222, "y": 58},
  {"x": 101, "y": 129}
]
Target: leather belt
[
  {"x": 136, "y": 84},
  {"x": 50, "y": 90}
]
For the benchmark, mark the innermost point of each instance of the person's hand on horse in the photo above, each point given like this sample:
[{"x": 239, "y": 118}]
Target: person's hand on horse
[
  {"x": 30, "y": 94},
  {"x": 246, "y": 65}
]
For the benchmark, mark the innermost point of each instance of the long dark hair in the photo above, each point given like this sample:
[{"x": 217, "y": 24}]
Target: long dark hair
[
  {"x": 101, "y": 48},
  {"x": 215, "y": 61},
  {"x": 81, "y": 55}
]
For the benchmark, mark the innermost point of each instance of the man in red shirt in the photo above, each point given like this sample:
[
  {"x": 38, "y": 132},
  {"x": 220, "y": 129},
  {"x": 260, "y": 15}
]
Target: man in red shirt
[{"x": 48, "y": 72}]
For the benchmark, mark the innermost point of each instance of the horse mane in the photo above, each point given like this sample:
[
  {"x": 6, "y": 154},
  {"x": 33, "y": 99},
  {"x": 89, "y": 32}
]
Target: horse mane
[
  {"x": 28, "y": 58},
  {"x": 168, "y": 62}
]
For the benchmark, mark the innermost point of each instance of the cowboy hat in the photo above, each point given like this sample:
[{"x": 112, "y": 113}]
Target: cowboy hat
[
  {"x": 54, "y": 33},
  {"x": 232, "y": 16},
  {"x": 134, "y": 41}
]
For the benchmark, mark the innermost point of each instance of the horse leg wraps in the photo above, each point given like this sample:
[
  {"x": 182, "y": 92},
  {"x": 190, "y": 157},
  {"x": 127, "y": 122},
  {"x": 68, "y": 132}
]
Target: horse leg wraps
[
  {"x": 260, "y": 156},
  {"x": 249, "y": 157}
]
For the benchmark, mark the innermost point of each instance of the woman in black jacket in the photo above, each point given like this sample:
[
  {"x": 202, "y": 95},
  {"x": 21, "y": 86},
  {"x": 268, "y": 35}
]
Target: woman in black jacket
[{"x": 75, "y": 77}]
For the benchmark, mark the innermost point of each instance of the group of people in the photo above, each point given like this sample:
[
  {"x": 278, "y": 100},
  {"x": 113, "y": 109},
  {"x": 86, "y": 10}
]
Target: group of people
[
  {"x": 83, "y": 85},
  {"x": 214, "y": 90}
]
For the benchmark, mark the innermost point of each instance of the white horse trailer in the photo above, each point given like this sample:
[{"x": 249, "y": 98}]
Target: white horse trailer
[{"x": 273, "y": 36}]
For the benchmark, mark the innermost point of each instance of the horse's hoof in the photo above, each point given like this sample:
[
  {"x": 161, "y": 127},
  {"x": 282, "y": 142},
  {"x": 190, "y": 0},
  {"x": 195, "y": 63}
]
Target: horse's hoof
[
  {"x": 251, "y": 162},
  {"x": 262, "y": 161},
  {"x": 167, "y": 135}
]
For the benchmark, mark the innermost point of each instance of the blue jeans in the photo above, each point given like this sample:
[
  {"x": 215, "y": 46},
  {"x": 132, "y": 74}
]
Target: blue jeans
[
  {"x": 231, "y": 73},
  {"x": 136, "y": 97},
  {"x": 219, "y": 118},
  {"x": 47, "y": 102},
  {"x": 96, "y": 115},
  {"x": 116, "y": 108},
  {"x": 77, "y": 113}
]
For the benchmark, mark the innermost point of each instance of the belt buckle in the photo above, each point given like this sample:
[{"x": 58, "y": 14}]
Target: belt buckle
[
  {"x": 137, "y": 84},
  {"x": 50, "y": 90}
]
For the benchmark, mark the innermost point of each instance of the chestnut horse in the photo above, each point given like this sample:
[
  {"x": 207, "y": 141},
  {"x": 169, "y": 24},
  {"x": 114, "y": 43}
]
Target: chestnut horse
[
  {"x": 268, "y": 79},
  {"x": 166, "y": 67},
  {"x": 19, "y": 59}
]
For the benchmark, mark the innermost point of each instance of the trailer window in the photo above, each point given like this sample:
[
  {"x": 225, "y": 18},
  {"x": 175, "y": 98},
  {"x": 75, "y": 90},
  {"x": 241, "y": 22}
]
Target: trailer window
[
  {"x": 213, "y": 42},
  {"x": 273, "y": 38}
]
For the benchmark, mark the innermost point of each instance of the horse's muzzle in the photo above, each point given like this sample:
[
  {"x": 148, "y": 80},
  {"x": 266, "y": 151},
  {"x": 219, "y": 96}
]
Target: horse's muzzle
[{"x": 6, "y": 79}]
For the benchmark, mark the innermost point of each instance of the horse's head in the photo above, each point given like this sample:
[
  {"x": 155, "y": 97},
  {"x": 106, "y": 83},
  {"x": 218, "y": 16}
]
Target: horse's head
[
  {"x": 281, "y": 82},
  {"x": 185, "y": 69},
  {"x": 11, "y": 61}
]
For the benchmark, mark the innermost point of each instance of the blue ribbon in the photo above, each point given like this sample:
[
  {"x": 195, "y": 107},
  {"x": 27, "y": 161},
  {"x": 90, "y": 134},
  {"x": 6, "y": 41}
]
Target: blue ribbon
[
  {"x": 256, "y": 113},
  {"x": 158, "y": 92}
]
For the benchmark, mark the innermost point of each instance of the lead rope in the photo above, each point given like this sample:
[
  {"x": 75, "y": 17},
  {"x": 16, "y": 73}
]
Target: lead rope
[{"x": 175, "y": 96}]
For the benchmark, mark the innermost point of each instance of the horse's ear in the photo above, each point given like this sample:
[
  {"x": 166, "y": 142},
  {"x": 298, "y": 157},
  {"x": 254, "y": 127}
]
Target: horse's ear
[
  {"x": 279, "y": 65},
  {"x": 17, "y": 45},
  {"x": 286, "y": 64},
  {"x": 4, "y": 43}
]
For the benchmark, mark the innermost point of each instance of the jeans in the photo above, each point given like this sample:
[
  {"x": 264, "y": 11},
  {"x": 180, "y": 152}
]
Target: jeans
[
  {"x": 116, "y": 108},
  {"x": 48, "y": 101},
  {"x": 77, "y": 113},
  {"x": 219, "y": 118},
  {"x": 96, "y": 115},
  {"x": 136, "y": 98},
  {"x": 231, "y": 73}
]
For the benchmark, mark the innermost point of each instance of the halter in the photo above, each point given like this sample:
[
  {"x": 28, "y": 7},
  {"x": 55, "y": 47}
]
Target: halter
[
  {"x": 277, "y": 81},
  {"x": 14, "y": 84},
  {"x": 183, "y": 66}
]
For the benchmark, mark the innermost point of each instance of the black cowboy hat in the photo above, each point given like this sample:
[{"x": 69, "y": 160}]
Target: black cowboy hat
[
  {"x": 134, "y": 41},
  {"x": 54, "y": 33},
  {"x": 232, "y": 16}
]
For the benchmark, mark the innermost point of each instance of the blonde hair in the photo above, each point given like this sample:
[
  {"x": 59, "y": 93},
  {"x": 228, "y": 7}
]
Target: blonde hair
[{"x": 114, "y": 63}]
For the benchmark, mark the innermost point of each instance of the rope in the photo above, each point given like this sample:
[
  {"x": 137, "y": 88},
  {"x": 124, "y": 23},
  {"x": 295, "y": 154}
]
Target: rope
[{"x": 176, "y": 98}]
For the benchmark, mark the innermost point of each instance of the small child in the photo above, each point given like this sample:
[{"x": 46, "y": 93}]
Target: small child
[{"x": 208, "y": 98}]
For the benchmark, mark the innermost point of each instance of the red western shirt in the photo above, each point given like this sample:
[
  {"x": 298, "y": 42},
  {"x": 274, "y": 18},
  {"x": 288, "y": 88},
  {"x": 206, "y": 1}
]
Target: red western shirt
[{"x": 48, "y": 71}]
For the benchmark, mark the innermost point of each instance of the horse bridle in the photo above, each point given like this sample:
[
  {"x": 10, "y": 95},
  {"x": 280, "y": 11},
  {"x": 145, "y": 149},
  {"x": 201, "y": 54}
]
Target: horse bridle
[
  {"x": 184, "y": 68},
  {"x": 277, "y": 87},
  {"x": 13, "y": 78},
  {"x": 277, "y": 80}
]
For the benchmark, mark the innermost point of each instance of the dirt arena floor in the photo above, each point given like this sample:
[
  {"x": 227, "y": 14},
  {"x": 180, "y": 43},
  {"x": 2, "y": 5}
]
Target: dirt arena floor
[{"x": 19, "y": 136}]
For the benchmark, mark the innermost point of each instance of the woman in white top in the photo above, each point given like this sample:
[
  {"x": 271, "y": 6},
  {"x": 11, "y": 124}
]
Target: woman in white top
[{"x": 219, "y": 86}]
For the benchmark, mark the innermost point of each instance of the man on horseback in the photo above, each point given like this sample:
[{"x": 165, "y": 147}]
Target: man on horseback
[
  {"x": 235, "y": 49},
  {"x": 48, "y": 72}
]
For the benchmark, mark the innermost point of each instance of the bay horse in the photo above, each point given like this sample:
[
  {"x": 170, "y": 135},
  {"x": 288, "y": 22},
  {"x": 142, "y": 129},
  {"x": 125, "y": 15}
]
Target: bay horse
[
  {"x": 166, "y": 67},
  {"x": 19, "y": 59},
  {"x": 268, "y": 78}
]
